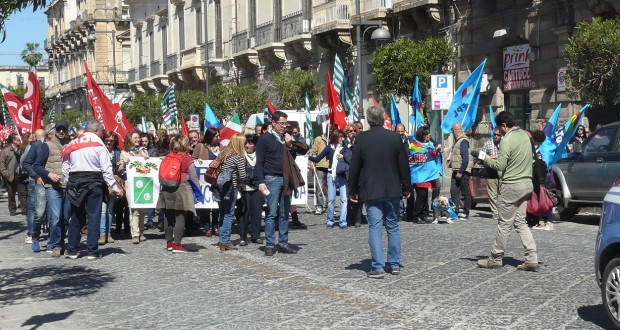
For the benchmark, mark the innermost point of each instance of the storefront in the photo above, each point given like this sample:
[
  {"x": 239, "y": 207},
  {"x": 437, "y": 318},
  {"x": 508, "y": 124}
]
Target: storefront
[{"x": 517, "y": 83}]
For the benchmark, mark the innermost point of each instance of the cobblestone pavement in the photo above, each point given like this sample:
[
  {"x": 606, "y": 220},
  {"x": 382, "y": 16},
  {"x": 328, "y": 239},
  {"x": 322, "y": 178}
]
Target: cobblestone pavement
[{"x": 322, "y": 287}]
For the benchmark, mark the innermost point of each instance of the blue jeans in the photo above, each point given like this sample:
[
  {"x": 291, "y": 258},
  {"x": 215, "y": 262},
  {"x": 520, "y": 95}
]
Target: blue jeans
[
  {"x": 58, "y": 217},
  {"x": 227, "y": 213},
  {"x": 91, "y": 207},
  {"x": 31, "y": 199},
  {"x": 278, "y": 206},
  {"x": 150, "y": 214},
  {"x": 340, "y": 184},
  {"x": 107, "y": 214},
  {"x": 380, "y": 210},
  {"x": 40, "y": 206}
]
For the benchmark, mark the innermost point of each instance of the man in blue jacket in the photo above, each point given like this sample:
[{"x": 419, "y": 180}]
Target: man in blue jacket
[{"x": 36, "y": 193}]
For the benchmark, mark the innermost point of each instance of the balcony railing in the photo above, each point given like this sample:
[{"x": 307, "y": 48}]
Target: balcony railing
[
  {"x": 332, "y": 11},
  {"x": 122, "y": 77},
  {"x": 368, "y": 5},
  {"x": 211, "y": 49},
  {"x": 131, "y": 74},
  {"x": 240, "y": 41},
  {"x": 143, "y": 71},
  {"x": 264, "y": 33},
  {"x": 172, "y": 62},
  {"x": 155, "y": 68},
  {"x": 191, "y": 57},
  {"x": 293, "y": 25}
]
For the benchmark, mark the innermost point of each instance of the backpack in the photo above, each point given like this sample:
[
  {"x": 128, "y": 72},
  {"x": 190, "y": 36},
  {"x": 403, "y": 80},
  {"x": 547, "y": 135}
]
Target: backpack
[{"x": 170, "y": 171}]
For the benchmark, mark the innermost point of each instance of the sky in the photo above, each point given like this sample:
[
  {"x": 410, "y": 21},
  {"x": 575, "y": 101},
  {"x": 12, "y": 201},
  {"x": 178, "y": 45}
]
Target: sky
[{"x": 21, "y": 28}]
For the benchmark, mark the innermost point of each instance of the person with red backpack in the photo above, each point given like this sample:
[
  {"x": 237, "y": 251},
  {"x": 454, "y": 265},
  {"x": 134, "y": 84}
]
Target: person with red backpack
[{"x": 176, "y": 197}]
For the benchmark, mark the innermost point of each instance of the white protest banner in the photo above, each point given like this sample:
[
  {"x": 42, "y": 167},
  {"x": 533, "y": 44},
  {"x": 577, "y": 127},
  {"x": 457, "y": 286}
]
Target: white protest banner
[
  {"x": 201, "y": 168},
  {"x": 143, "y": 182},
  {"x": 302, "y": 199}
]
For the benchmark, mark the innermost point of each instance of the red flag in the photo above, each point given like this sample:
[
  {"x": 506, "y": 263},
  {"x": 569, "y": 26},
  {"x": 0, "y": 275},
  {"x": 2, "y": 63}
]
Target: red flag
[
  {"x": 387, "y": 122},
  {"x": 16, "y": 109},
  {"x": 271, "y": 107},
  {"x": 184, "y": 128},
  {"x": 108, "y": 113},
  {"x": 374, "y": 100},
  {"x": 33, "y": 108},
  {"x": 337, "y": 116}
]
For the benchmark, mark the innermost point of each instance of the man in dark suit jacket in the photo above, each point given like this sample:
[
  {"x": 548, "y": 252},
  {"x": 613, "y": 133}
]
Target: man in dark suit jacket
[{"x": 379, "y": 176}]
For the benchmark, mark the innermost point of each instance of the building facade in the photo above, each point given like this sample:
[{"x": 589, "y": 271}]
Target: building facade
[
  {"x": 17, "y": 75},
  {"x": 95, "y": 32}
]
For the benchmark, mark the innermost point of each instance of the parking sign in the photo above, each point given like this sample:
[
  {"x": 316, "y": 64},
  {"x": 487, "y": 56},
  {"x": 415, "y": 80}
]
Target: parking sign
[{"x": 442, "y": 91}]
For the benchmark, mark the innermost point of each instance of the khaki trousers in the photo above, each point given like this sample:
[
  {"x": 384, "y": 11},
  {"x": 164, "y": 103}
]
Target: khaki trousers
[
  {"x": 511, "y": 205},
  {"x": 136, "y": 222},
  {"x": 492, "y": 189}
]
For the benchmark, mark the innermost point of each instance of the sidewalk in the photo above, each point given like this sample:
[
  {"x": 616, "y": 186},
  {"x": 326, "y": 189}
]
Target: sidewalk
[{"x": 322, "y": 287}]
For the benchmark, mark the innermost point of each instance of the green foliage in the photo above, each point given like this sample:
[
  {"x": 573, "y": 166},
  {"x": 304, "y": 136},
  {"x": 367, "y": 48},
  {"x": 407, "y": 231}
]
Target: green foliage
[
  {"x": 226, "y": 100},
  {"x": 8, "y": 7},
  {"x": 74, "y": 117},
  {"x": 291, "y": 86},
  {"x": 396, "y": 64},
  {"x": 31, "y": 54},
  {"x": 144, "y": 105},
  {"x": 190, "y": 102},
  {"x": 593, "y": 65}
]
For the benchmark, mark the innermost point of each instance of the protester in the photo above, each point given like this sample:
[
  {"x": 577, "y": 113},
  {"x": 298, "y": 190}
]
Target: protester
[
  {"x": 580, "y": 135},
  {"x": 321, "y": 169},
  {"x": 336, "y": 180},
  {"x": 258, "y": 130},
  {"x": 208, "y": 150},
  {"x": 194, "y": 140},
  {"x": 354, "y": 210},
  {"x": 108, "y": 206},
  {"x": 278, "y": 177},
  {"x": 252, "y": 199},
  {"x": 379, "y": 177},
  {"x": 87, "y": 172},
  {"x": 233, "y": 161},
  {"x": 178, "y": 203},
  {"x": 35, "y": 212},
  {"x": 461, "y": 164},
  {"x": 423, "y": 177},
  {"x": 491, "y": 148},
  {"x": 132, "y": 147},
  {"x": 9, "y": 161},
  {"x": 48, "y": 166},
  {"x": 406, "y": 206},
  {"x": 540, "y": 176},
  {"x": 515, "y": 163}
]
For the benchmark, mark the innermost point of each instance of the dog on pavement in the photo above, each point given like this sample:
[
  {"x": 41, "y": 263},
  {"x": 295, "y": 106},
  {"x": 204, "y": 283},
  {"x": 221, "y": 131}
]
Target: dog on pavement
[{"x": 443, "y": 210}]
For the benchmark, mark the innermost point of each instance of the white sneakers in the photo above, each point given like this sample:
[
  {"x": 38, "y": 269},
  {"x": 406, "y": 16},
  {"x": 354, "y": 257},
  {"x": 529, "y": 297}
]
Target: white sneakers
[{"x": 547, "y": 226}]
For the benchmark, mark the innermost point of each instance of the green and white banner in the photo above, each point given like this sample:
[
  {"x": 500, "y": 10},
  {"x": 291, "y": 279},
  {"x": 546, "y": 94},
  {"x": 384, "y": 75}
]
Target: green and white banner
[{"x": 142, "y": 186}]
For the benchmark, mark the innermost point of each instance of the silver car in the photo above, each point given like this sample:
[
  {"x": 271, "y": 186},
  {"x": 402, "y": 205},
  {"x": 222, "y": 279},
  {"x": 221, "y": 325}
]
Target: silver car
[{"x": 585, "y": 176}]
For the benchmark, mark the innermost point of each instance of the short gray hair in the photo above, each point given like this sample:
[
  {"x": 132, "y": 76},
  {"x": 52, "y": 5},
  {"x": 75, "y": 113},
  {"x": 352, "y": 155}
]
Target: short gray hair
[
  {"x": 374, "y": 116},
  {"x": 93, "y": 125}
]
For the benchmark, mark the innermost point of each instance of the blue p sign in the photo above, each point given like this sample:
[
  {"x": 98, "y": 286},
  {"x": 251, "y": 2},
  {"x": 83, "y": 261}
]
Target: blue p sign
[{"x": 442, "y": 82}]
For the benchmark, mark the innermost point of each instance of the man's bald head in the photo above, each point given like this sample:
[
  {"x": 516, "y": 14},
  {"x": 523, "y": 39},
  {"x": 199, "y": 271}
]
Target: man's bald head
[
  {"x": 39, "y": 134},
  {"x": 457, "y": 126}
]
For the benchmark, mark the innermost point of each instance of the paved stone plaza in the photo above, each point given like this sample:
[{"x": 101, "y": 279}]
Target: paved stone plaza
[{"x": 324, "y": 286}]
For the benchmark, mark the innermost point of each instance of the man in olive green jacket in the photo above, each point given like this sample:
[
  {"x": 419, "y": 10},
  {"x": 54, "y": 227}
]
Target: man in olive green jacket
[
  {"x": 8, "y": 166},
  {"x": 515, "y": 162}
]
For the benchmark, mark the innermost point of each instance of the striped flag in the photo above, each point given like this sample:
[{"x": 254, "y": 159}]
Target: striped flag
[
  {"x": 145, "y": 127},
  {"x": 308, "y": 123},
  {"x": 52, "y": 115},
  {"x": 230, "y": 129},
  {"x": 356, "y": 100},
  {"x": 338, "y": 75},
  {"x": 492, "y": 120},
  {"x": 169, "y": 106}
]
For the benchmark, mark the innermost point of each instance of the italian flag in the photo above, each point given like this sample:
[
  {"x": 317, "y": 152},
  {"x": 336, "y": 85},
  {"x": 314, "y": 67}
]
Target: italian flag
[{"x": 232, "y": 127}]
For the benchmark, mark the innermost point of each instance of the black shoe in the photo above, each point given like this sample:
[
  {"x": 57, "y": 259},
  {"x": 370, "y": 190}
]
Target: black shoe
[
  {"x": 298, "y": 225},
  {"x": 243, "y": 243},
  {"x": 358, "y": 224},
  {"x": 93, "y": 256},
  {"x": 287, "y": 250},
  {"x": 257, "y": 241},
  {"x": 269, "y": 252}
]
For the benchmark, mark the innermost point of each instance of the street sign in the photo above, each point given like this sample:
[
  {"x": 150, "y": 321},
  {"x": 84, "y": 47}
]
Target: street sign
[
  {"x": 442, "y": 91},
  {"x": 194, "y": 122}
]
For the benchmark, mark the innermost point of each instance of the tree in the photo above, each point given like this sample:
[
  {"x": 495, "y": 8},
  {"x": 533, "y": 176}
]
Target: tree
[
  {"x": 395, "y": 65},
  {"x": 144, "y": 105},
  {"x": 74, "y": 117},
  {"x": 190, "y": 102},
  {"x": 226, "y": 100},
  {"x": 287, "y": 88},
  {"x": 31, "y": 54},
  {"x": 9, "y": 7},
  {"x": 593, "y": 67}
]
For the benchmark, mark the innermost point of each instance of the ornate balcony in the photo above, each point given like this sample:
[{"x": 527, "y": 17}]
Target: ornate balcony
[
  {"x": 159, "y": 79},
  {"x": 264, "y": 33},
  {"x": 425, "y": 14},
  {"x": 143, "y": 72},
  {"x": 172, "y": 66},
  {"x": 333, "y": 15},
  {"x": 401, "y": 5},
  {"x": 374, "y": 9},
  {"x": 245, "y": 57},
  {"x": 296, "y": 35},
  {"x": 191, "y": 64}
]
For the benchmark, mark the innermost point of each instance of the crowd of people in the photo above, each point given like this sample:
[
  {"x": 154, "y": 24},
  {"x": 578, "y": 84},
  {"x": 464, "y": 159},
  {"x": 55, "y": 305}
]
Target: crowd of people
[{"x": 75, "y": 184}]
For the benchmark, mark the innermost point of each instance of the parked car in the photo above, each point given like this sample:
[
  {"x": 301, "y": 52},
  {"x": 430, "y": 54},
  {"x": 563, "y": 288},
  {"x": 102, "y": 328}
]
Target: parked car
[
  {"x": 584, "y": 177},
  {"x": 607, "y": 254}
]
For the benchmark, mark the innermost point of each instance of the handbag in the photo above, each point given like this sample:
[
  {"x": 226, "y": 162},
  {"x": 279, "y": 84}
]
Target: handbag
[
  {"x": 214, "y": 170},
  {"x": 540, "y": 203}
]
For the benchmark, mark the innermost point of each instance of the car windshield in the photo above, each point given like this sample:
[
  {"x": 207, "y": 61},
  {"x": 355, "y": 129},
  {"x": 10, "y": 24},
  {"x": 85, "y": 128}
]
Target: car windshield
[{"x": 600, "y": 141}]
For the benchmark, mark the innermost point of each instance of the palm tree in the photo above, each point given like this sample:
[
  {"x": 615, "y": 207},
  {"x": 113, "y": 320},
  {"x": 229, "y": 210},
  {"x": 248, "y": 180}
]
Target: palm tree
[{"x": 31, "y": 54}]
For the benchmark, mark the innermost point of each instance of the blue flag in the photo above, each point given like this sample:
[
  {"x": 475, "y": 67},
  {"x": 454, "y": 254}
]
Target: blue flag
[
  {"x": 424, "y": 162},
  {"x": 570, "y": 127},
  {"x": 492, "y": 120},
  {"x": 416, "y": 119},
  {"x": 196, "y": 190},
  {"x": 210, "y": 118},
  {"x": 394, "y": 113},
  {"x": 464, "y": 106},
  {"x": 548, "y": 147}
]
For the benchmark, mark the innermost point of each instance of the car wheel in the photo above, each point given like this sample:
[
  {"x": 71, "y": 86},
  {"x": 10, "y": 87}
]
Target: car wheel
[
  {"x": 565, "y": 213},
  {"x": 610, "y": 291}
]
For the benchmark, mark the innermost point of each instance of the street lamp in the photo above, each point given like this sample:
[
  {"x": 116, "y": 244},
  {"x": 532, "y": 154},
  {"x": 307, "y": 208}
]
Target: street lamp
[
  {"x": 92, "y": 37},
  {"x": 379, "y": 34}
]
